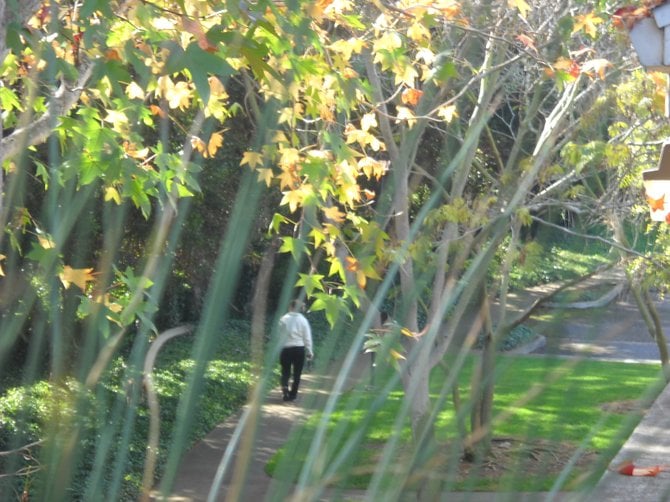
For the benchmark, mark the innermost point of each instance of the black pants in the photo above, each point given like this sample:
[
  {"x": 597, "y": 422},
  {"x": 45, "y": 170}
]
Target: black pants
[{"x": 291, "y": 358}]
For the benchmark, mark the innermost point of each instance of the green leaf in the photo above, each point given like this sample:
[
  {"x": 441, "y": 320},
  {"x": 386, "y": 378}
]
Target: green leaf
[
  {"x": 446, "y": 71},
  {"x": 176, "y": 61},
  {"x": 277, "y": 220},
  {"x": 310, "y": 282},
  {"x": 89, "y": 7},
  {"x": 336, "y": 268},
  {"x": 8, "y": 100},
  {"x": 333, "y": 306},
  {"x": 13, "y": 37},
  {"x": 201, "y": 64},
  {"x": 296, "y": 247}
]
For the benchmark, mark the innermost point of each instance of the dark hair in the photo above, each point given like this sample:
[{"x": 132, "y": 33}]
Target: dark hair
[{"x": 295, "y": 305}]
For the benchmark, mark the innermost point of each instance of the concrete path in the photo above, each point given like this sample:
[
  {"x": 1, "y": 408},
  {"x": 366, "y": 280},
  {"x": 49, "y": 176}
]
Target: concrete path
[
  {"x": 648, "y": 446},
  {"x": 246, "y": 479}
]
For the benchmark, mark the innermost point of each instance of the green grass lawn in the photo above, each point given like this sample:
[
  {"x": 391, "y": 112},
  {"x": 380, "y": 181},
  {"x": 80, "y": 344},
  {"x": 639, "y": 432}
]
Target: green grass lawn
[{"x": 546, "y": 409}]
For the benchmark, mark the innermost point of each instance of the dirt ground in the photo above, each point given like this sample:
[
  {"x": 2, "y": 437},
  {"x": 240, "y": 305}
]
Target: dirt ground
[{"x": 534, "y": 460}]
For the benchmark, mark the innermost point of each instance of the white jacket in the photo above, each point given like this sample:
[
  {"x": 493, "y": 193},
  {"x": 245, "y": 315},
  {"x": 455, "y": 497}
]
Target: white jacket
[{"x": 295, "y": 332}]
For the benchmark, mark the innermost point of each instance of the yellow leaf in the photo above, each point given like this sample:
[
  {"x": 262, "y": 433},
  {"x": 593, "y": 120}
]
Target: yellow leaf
[
  {"x": 447, "y": 113},
  {"x": 112, "y": 194},
  {"x": 334, "y": 214},
  {"x": 316, "y": 9},
  {"x": 287, "y": 178},
  {"x": 293, "y": 198},
  {"x": 330, "y": 248},
  {"x": 363, "y": 138},
  {"x": 179, "y": 96},
  {"x": 407, "y": 332},
  {"x": 373, "y": 168},
  {"x": 368, "y": 120},
  {"x": 116, "y": 117},
  {"x": 134, "y": 91},
  {"x": 215, "y": 142},
  {"x": 216, "y": 87},
  {"x": 105, "y": 300},
  {"x": 348, "y": 47},
  {"x": 2, "y": 272},
  {"x": 405, "y": 74},
  {"x": 404, "y": 113},
  {"x": 198, "y": 144},
  {"x": 289, "y": 157},
  {"x": 588, "y": 23},
  {"x": 46, "y": 242},
  {"x": 286, "y": 115},
  {"x": 389, "y": 41},
  {"x": 521, "y": 5},
  {"x": 597, "y": 67},
  {"x": 131, "y": 150},
  {"x": 396, "y": 355},
  {"x": 265, "y": 174},
  {"x": 450, "y": 9},
  {"x": 350, "y": 193},
  {"x": 253, "y": 159},
  {"x": 418, "y": 32},
  {"x": 77, "y": 276}
]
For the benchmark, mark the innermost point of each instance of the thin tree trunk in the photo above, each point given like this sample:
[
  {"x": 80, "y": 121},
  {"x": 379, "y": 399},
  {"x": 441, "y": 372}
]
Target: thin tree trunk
[{"x": 644, "y": 302}]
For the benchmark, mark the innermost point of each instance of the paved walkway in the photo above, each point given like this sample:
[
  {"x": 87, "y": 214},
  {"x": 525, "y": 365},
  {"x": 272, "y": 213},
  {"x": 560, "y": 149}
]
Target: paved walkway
[{"x": 246, "y": 479}]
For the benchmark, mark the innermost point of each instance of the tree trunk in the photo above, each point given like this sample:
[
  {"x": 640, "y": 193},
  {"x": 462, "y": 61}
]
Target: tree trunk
[{"x": 644, "y": 302}]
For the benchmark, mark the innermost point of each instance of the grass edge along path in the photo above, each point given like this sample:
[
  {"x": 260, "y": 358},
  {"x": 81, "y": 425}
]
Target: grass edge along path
[{"x": 557, "y": 422}]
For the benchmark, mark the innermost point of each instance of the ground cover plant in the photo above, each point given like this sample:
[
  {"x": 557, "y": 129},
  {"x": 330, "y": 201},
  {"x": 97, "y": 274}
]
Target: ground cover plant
[
  {"x": 113, "y": 450},
  {"x": 557, "y": 424}
]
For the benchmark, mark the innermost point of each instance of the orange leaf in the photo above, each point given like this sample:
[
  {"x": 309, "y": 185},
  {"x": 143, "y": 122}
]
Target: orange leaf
[
  {"x": 626, "y": 17},
  {"x": 361, "y": 280},
  {"x": 77, "y": 276},
  {"x": 157, "y": 110},
  {"x": 194, "y": 28},
  {"x": 112, "y": 55},
  {"x": 411, "y": 96},
  {"x": 318, "y": 8},
  {"x": 656, "y": 204},
  {"x": 352, "y": 264},
  {"x": 527, "y": 41},
  {"x": 568, "y": 65}
]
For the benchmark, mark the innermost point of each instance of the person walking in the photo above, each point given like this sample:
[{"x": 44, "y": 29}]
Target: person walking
[{"x": 296, "y": 339}]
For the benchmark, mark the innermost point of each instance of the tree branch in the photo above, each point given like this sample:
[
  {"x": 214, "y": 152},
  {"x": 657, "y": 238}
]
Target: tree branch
[{"x": 65, "y": 97}]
